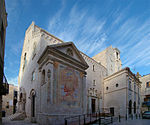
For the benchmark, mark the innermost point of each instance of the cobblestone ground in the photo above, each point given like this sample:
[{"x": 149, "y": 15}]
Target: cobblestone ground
[
  {"x": 21, "y": 122},
  {"x": 133, "y": 122}
]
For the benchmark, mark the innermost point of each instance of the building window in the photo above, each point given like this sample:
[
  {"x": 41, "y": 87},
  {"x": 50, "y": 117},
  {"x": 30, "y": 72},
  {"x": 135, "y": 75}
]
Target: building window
[
  {"x": 130, "y": 107},
  {"x": 129, "y": 84},
  {"x": 33, "y": 76},
  {"x": 93, "y": 68},
  {"x": 25, "y": 60},
  {"x": 94, "y": 83},
  {"x": 134, "y": 86},
  {"x": 43, "y": 76},
  {"x": 107, "y": 88},
  {"x": 117, "y": 85},
  {"x": 15, "y": 93},
  {"x": 7, "y": 105},
  {"x": 134, "y": 107},
  {"x": 117, "y": 55},
  {"x": 148, "y": 84}
]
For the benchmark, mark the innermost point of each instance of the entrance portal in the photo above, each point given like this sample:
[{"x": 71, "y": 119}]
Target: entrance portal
[
  {"x": 112, "y": 110},
  {"x": 32, "y": 97},
  {"x": 93, "y": 105},
  {"x": 130, "y": 107},
  {"x": 33, "y": 106}
]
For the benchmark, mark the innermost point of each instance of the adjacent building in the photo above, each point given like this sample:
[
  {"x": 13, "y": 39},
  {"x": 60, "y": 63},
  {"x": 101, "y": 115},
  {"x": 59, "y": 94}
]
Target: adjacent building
[
  {"x": 9, "y": 105},
  {"x": 122, "y": 93},
  {"x": 3, "y": 25},
  {"x": 145, "y": 92}
]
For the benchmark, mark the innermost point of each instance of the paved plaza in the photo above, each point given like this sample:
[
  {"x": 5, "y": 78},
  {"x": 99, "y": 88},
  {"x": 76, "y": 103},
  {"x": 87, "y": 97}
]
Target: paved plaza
[
  {"x": 123, "y": 122},
  {"x": 20, "y": 122},
  {"x": 133, "y": 122}
]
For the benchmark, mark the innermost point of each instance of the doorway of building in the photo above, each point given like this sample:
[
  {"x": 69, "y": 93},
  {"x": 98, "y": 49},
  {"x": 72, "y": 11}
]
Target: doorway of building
[
  {"x": 130, "y": 107},
  {"x": 93, "y": 105},
  {"x": 112, "y": 110},
  {"x": 33, "y": 106}
]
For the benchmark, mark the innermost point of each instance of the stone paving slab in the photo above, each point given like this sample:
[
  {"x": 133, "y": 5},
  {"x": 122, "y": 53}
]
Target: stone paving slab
[
  {"x": 21, "y": 122},
  {"x": 133, "y": 122}
]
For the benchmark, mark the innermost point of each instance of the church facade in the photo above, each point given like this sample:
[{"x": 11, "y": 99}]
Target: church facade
[
  {"x": 57, "y": 80},
  {"x": 52, "y": 78}
]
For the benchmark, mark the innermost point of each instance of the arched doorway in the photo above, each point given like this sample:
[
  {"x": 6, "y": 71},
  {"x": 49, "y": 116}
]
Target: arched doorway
[
  {"x": 32, "y": 97},
  {"x": 130, "y": 107}
]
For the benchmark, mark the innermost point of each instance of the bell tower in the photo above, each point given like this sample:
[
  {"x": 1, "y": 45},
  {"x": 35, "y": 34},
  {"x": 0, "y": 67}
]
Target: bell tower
[{"x": 118, "y": 64}]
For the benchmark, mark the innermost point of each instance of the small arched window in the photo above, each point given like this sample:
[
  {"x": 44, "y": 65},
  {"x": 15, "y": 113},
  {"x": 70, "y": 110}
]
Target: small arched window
[
  {"x": 43, "y": 76},
  {"x": 25, "y": 61},
  {"x": 117, "y": 85},
  {"x": 106, "y": 88},
  {"x": 93, "y": 68}
]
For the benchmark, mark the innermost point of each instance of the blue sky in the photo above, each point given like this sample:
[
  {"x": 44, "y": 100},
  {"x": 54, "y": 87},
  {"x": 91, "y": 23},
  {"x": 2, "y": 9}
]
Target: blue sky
[{"x": 92, "y": 25}]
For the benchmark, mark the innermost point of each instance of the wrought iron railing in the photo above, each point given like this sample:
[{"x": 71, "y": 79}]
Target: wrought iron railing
[{"x": 89, "y": 119}]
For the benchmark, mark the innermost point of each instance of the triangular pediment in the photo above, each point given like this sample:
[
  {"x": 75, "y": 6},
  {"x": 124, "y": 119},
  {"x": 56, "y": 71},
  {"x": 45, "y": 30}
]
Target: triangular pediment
[{"x": 69, "y": 49}]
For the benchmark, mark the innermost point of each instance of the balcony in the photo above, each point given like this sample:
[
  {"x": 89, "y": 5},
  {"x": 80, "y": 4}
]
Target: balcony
[{"x": 4, "y": 87}]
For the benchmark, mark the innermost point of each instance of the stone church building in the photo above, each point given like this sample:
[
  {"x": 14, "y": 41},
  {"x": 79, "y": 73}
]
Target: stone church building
[{"x": 57, "y": 80}]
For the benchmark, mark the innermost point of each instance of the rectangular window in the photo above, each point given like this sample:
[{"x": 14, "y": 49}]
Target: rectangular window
[
  {"x": 93, "y": 68},
  {"x": 148, "y": 84},
  {"x": 94, "y": 83},
  {"x": 129, "y": 84},
  {"x": 7, "y": 105}
]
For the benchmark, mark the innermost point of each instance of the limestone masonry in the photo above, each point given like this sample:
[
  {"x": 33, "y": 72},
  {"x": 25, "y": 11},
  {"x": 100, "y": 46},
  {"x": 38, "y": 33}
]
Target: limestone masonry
[{"x": 56, "y": 80}]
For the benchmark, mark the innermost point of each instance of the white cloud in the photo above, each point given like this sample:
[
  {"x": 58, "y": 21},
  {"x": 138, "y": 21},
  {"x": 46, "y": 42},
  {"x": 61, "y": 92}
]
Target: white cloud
[
  {"x": 89, "y": 33},
  {"x": 13, "y": 80}
]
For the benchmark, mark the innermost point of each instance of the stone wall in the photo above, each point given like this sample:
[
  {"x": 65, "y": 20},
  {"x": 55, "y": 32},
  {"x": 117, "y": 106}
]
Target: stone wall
[
  {"x": 8, "y": 100},
  {"x": 95, "y": 75},
  {"x": 110, "y": 58},
  {"x": 118, "y": 93}
]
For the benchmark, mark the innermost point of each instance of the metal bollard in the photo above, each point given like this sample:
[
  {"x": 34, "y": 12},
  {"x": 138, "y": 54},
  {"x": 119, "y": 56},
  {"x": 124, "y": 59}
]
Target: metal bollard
[
  {"x": 126, "y": 116},
  {"x": 99, "y": 119},
  {"x": 111, "y": 119},
  {"x": 90, "y": 117},
  {"x": 119, "y": 118},
  {"x": 79, "y": 119},
  {"x": 96, "y": 115},
  {"x": 84, "y": 119},
  {"x": 136, "y": 116},
  {"x": 132, "y": 116},
  {"x": 65, "y": 121}
]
